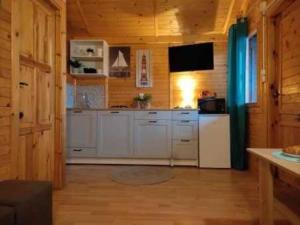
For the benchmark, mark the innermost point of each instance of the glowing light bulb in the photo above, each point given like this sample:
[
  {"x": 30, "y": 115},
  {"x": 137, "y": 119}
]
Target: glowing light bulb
[{"x": 187, "y": 87}]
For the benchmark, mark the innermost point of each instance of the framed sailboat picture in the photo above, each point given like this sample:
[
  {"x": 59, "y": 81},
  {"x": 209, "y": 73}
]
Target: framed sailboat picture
[
  {"x": 144, "y": 68},
  {"x": 119, "y": 60}
]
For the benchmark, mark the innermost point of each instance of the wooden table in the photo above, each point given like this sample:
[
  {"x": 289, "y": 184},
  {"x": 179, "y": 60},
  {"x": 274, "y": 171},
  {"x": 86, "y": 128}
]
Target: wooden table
[{"x": 266, "y": 184}]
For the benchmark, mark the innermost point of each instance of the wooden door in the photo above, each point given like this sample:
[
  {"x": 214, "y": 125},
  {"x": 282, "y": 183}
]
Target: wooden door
[
  {"x": 152, "y": 139},
  {"x": 285, "y": 86},
  {"x": 37, "y": 90}
]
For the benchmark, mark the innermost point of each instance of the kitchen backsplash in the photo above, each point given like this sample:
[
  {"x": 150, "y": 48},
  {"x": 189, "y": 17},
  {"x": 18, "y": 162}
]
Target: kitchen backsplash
[{"x": 87, "y": 96}]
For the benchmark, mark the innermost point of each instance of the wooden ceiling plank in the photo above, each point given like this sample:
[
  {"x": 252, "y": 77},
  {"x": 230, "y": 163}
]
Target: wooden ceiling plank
[
  {"x": 155, "y": 18},
  {"x": 82, "y": 15},
  {"x": 229, "y": 16}
]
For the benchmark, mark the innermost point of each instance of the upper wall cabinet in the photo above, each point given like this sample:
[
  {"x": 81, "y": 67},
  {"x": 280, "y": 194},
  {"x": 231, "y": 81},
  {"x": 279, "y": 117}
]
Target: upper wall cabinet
[{"x": 89, "y": 58}]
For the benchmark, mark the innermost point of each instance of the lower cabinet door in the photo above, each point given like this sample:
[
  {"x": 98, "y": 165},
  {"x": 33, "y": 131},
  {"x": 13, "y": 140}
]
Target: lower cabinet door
[
  {"x": 152, "y": 139},
  {"x": 115, "y": 134},
  {"x": 185, "y": 149}
]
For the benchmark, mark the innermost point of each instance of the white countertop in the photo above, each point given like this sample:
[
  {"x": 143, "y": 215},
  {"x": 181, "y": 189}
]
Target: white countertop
[{"x": 129, "y": 109}]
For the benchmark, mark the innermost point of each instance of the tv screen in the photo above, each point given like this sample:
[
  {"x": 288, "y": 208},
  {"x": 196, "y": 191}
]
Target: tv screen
[{"x": 191, "y": 57}]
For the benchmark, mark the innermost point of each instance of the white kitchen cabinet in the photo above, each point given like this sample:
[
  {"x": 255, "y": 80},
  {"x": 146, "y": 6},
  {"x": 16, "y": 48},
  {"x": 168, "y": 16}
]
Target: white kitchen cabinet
[
  {"x": 185, "y": 129},
  {"x": 185, "y": 115},
  {"x": 185, "y": 135},
  {"x": 185, "y": 149},
  {"x": 115, "y": 134},
  {"x": 152, "y": 139},
  {"x": 152, "y": 115},
  {"x": 214, "y": 141},
  {"x": 81, "y": 129}
]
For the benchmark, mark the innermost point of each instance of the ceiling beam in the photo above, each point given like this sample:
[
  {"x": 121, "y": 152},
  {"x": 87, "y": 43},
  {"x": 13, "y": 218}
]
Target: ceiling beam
[
  {"x": 185, "y": 39},
  {"x": 229, "y": 16},
  {"x": 82, "y": 15},
  {"x": 155, "y": 19}
]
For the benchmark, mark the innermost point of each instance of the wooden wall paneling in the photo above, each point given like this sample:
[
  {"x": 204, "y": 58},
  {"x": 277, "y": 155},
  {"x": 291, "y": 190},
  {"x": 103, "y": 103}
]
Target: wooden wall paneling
[
  {"x": 257, "y": 113},
  {"x": 60, "y": 93},
  {"x": 212, "y": 80},
  {"x": 15, "y": 80},
  {"x": 123, "y": 90}
]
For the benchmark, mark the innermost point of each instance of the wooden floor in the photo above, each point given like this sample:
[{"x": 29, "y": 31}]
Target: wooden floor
[{"x": 193, "y": 197}]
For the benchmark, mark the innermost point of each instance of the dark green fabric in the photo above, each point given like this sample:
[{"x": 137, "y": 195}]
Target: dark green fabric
[{"x": 237, "y": 47}]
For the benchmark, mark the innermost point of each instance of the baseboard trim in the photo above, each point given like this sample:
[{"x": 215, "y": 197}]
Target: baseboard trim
[{"x": 156, "y": 162}]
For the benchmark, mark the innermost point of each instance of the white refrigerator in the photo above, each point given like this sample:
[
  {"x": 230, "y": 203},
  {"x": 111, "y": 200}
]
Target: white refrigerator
[{"x": 214, "y": 141}]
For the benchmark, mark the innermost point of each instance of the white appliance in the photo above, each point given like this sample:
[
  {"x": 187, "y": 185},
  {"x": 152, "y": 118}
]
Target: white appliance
[{"x": 214, "y": 141}]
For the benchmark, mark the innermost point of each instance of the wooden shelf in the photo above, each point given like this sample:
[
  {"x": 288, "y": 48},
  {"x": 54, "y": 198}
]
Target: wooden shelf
[
  {"x": 88, "y": 58},
  {"x": 87, "y": 75},
  {"x": 98, "y": 60}
]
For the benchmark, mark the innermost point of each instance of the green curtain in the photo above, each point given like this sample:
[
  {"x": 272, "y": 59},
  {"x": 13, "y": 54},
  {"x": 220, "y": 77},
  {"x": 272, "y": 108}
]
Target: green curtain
[{"x": 237, "y": 47}]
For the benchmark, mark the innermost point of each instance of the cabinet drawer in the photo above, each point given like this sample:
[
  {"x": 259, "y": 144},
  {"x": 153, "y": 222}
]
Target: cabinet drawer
[
  {"x": 185, "y": 129},
  {"x": 82, "y": 152},
  {"x": 185, "y": 149},
  {"x": 148, "y": 115},
  {"x": 81, "y": 112},
  {"x": 115, "y": 112},
  {"x": 185, "y": 115}
]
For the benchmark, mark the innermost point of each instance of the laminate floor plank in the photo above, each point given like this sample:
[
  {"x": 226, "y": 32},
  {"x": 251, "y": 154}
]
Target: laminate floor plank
[{"x": 193, "y": 197}]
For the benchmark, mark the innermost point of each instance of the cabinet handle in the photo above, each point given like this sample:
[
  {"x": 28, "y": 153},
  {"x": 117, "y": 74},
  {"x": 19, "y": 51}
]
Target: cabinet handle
[
  {"x": 114, "y": 112},
  {"x": 185, "y": 121},
  {"x": 153, "y": 121},
  {"x": 152, "y": 113},
  {"x": 77, "y": 111},
  {"x": 185, "y": 140},
  {"x": 23, "y": 83},
  {"x": 185, "y": 113},
  {"x": 77, "y": 150}
]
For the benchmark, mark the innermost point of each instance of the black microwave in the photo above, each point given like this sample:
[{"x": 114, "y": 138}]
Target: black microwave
[{"x": 211, "y": 106}]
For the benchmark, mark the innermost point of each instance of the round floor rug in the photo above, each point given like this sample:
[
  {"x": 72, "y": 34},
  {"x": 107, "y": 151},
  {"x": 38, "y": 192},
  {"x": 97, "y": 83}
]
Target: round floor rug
[{"x": 142, "y": 175}]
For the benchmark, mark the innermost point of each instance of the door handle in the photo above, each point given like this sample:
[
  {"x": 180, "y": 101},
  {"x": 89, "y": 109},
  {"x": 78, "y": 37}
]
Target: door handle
[
  {"x": 77, "y": 150},
  {"x": 185, "y": 140},
  {"x": 114, "y": 112},
  {"x": 21, "y": 115},
  {"x": 23, "y": 83},
  {"x": 274, "y": 91},
  {"x": 153, "y": 121}
]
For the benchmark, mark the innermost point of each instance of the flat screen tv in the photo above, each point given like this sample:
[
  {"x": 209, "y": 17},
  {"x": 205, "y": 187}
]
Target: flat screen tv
[{"x": 191, "y": 57}]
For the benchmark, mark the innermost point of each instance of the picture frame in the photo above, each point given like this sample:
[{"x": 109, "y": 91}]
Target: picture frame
[{"x": 144, "y": 68}]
